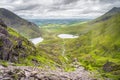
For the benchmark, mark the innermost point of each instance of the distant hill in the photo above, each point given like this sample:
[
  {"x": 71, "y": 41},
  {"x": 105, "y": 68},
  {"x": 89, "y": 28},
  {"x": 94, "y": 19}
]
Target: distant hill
[
  {"x": 113, "y": 11},
  {"x": 42, "y": 22},
  {"x": 24, "y": 27},
  {"x": 108, "y": 15}
]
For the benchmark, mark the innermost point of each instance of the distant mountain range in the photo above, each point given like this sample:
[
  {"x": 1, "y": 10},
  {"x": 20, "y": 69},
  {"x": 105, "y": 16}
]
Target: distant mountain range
[
  {"x": 24, "y": 27},
  {"x": 41, "y": 22}
]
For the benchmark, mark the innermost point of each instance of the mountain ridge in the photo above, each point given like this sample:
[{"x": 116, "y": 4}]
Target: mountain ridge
[
  {"x": 24, "y": 27},
  {"x": 107, "y": 15}
]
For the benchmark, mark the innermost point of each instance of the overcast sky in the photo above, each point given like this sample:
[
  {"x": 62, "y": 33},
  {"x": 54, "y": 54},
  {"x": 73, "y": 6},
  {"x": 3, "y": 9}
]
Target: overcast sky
[{"x": 59, "y": 8}]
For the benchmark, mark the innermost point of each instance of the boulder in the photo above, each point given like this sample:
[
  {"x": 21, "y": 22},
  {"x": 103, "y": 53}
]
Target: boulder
[{"x": 110, "y": 66}]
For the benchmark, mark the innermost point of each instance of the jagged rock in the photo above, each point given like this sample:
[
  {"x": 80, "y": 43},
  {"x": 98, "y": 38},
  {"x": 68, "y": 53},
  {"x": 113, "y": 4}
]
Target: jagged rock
[
  {"x": 3, "y": 31},
  {"x": 107, "y": 66},
  {"x": 27, "y": 73},
  {"x": 13, "y": 46},
  {"x": 5, "y": 47},
  {"x": 110, "y": 66},
  {"x": 19, "y": 43},
  {"x": 2, "y": 24},
  {"x": 33, "y": 73}
]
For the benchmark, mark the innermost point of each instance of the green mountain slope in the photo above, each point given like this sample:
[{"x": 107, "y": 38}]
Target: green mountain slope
[
  {"x": 27, "y": 29},
  {"x": 97, "y": 48},
  {"x": 17, "y": 49},
  {"x": 108, "y": 15}
]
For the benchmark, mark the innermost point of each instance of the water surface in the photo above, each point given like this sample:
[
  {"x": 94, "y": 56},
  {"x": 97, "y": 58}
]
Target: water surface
[
  {"x": 63, "y": 36},
  {"x": 36, "y": 40}
]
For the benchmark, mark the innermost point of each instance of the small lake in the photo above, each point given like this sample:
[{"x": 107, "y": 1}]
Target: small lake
[
  {"x": 36, "y": 40},
  {"x": 67, "y": 36}
]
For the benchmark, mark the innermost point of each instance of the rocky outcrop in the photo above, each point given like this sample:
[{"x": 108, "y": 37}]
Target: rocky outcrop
[
  {"x": 108, "y": 66},
  {"x": 111, "y": 67},
  {"x": 3, "y": 24},
  {"x": 5, "y": 43},
  {"x": 34, "y": 73},
  {"x": 11, "y": 46}
]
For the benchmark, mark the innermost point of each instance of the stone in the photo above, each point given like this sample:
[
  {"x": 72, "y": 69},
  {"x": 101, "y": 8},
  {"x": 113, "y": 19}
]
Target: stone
[
  {"x": 108, "y": 66},
  {"x": 3, "y": 24},
  {"x": 33, "y": 73}
]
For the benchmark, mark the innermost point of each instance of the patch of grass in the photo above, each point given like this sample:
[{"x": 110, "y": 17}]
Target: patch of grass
[{"x": 4, "y": 63}]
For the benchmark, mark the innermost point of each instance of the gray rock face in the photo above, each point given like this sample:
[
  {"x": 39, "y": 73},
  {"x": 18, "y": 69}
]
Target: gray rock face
[
  {"x": 107, "y": 66},
  {"x": 11, "y": 47},
  {"x": 5, "y": 43},
  {"x": 2, "y": 24},
  {"x": 110, "y": 66}
]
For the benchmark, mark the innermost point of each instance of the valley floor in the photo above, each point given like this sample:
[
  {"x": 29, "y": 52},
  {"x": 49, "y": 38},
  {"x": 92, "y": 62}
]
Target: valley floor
[{"x": 32, "y": 73}]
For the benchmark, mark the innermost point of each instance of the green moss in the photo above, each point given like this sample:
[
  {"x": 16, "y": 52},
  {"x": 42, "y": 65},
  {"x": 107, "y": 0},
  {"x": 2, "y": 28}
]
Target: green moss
[
  {"x": 4, "y": 63},
  {"x": 13, "y": 32}
]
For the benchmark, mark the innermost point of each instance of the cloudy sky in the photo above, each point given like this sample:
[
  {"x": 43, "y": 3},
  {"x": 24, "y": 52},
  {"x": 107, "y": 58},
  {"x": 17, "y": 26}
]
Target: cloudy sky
[{"x": 59, "y": 8}]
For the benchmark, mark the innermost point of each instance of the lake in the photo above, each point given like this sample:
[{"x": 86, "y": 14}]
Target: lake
[
  {"x": 67, "y": 36},
  {"x": 36, "y": 40}
]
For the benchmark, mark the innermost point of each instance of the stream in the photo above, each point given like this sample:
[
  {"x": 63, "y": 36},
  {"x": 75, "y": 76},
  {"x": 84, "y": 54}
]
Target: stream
[{"x": 63, "y": 37}]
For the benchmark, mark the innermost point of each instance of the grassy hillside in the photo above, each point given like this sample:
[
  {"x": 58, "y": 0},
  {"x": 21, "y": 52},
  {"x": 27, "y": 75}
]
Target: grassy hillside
[
  {"x": 97, "y": 48},
  {"x": 100, "y": 46},
  {"x": 52, "y": 30},
  {"x": 17, "y": 49}
]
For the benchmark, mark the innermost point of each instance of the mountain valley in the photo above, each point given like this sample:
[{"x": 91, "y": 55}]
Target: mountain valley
[{"x": 88, "y": 50}]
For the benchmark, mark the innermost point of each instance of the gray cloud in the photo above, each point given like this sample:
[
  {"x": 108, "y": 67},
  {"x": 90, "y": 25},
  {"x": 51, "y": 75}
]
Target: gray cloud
[
  {"x": 69, "y": 1},
  {"x": 27, "y": 7},
  {"x": 108, "y": 1},
  {"x": 59, "y": 8}
]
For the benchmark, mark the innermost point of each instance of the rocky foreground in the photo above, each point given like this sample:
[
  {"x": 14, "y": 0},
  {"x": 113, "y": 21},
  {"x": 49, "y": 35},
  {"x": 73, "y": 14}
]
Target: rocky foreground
[{"x": 32, "y": 73}]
